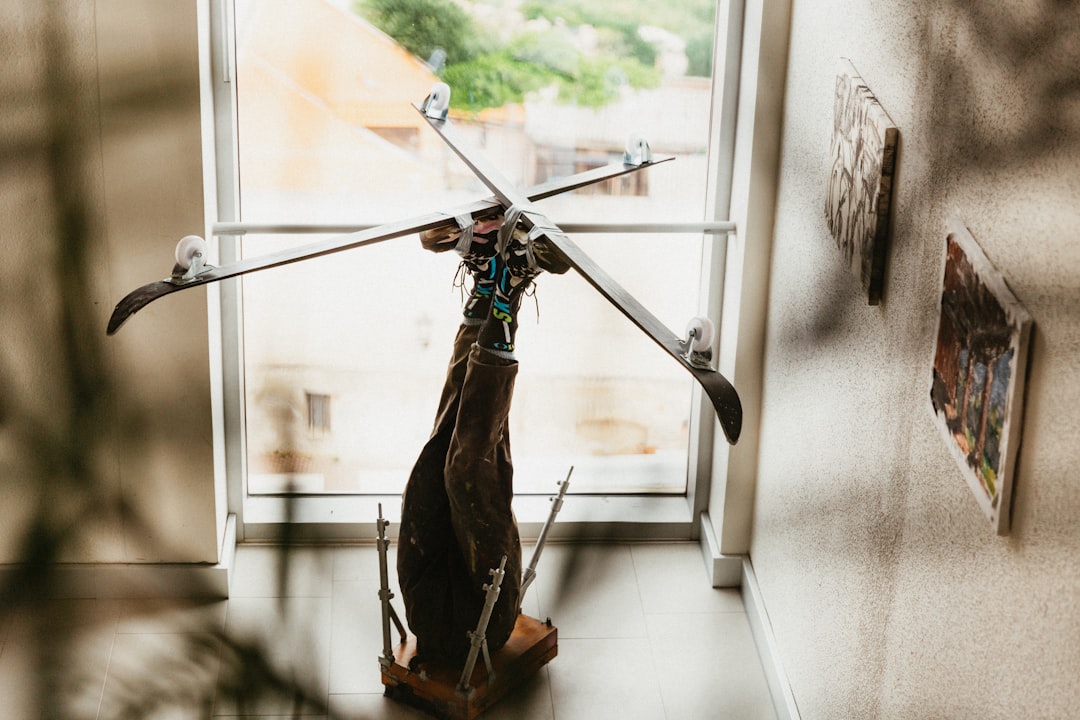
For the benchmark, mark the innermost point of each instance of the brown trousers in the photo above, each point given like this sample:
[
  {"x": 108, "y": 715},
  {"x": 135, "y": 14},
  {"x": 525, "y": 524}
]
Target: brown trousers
[{"x": 456, "y": 519}]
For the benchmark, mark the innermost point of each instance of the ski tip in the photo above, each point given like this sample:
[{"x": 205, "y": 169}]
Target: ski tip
[
  {"x": 114, "y": 324},
  {"x": 135, "y": 301},
  {"x": 728, "y": 408},
  {"x": 732, "y": 427},
  {"x": 120, "y": 314},
  {"x": 116, "y": 321}
]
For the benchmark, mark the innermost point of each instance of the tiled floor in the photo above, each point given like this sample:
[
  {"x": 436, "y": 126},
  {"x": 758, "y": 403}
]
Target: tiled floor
[{"x": 641, "y": 635}]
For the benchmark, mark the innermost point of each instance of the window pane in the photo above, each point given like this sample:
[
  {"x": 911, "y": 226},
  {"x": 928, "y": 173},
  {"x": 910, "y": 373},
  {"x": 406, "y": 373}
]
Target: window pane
[{"x": 327, "y": 134}]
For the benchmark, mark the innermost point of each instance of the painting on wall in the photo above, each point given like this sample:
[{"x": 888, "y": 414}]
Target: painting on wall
[
  {"x": 862, "y": 161},
  {"x": 980, "y": 361}
]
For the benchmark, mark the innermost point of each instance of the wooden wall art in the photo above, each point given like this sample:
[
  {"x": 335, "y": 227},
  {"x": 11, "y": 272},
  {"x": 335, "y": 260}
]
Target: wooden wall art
[
  {"x": 980, "y": 361},
  {"x": 863, "y": 157}
]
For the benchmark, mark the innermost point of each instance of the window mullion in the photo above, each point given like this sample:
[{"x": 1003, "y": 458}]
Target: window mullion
[
  {"x": 225, "y": 176},
  {"x": 725, "y": 91}
]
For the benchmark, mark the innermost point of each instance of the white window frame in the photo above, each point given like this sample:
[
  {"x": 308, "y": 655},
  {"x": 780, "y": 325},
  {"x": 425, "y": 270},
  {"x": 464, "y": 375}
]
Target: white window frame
[{"x": 352, "y": 517}]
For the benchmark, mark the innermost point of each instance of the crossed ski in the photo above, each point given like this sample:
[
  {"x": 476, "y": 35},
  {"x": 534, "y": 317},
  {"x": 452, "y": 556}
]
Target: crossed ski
[
  {"x": 143, "y": 296},
  {"x": 724, "y": 398},
  {"x": 721, "y": 393}
]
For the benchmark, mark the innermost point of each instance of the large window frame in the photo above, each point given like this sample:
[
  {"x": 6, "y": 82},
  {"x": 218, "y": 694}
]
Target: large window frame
[{"x": 352, "y": 517}]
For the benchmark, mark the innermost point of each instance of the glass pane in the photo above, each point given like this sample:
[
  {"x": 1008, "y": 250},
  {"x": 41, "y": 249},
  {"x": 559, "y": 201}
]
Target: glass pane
[{"x": 346, "y": 355}]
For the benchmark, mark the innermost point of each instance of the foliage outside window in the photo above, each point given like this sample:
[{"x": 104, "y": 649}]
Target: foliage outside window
[{"x": 587, "y": 51}]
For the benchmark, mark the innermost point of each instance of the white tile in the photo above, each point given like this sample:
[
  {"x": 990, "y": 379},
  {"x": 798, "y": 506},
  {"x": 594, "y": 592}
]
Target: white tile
[
  {"x": 356, "y": 640},
  {"x": 19, "y": 681},
  {"x": 292, "y": 635},
  {"x": 171, "y": 616},
  {"x": 272, "y": 571},
  {"x": 361, "y": 562},
  {"x": 57, "y": 656},
  {"x": 605, "y": 679},
  {"x": 530, "y": 604},
  {"x": 161, "y": 676},
  {"x": 374, "y": 705},
  {"x": 529, "y": 701},
  {"x": 671, "y": 578},
  {"x": 589, "y": 591},
  {"x": 708, "y": 667},
  {"x": 622, "y": 612}
]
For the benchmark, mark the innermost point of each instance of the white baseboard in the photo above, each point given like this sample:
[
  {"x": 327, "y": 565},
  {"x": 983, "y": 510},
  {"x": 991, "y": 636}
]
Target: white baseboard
[
  {"x": 723, "y": 570},
  {"x": 142, "y": 580},
  {"x": 779, "y": 687}
]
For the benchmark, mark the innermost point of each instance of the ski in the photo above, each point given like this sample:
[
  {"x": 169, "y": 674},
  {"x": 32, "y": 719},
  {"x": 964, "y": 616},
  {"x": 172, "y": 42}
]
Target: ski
[
  {"x": 143, "y": 296},
  {"x": 721, "y": 393}
]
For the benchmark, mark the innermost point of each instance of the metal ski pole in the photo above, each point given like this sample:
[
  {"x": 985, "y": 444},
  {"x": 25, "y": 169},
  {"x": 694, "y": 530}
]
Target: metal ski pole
[
  {"x": 478, "y": 638},
  {"x": 530, "y": 572}
]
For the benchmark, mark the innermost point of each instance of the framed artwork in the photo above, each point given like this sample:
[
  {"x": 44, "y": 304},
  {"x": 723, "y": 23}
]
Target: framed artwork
[
  {"x": 862, "y": 161},
  {"x": 980, "y": 362}
]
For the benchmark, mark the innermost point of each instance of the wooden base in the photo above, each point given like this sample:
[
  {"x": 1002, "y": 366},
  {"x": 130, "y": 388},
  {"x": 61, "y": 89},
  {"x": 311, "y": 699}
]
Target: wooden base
[{"x": 434, "y": 688}]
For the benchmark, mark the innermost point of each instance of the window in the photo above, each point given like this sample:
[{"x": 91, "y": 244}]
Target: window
[
  {"x": 326, "y": 135},
  {"x": 318, "y": 413}
]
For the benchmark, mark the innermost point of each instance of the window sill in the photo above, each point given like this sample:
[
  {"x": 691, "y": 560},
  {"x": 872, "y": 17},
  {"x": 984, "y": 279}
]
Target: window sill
[{"x": 583, "y": 517}]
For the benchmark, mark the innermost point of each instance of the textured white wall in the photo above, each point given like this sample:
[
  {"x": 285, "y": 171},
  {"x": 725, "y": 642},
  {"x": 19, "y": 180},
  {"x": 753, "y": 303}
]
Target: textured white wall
[
  {"x": 106, "y": 441},
  {"x": 889, "y": 593}
]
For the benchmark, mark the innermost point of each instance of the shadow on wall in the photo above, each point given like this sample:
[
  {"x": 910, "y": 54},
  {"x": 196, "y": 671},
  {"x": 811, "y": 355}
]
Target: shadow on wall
[
  {"x": 59, "y": 424},
  {"x": 1004, "y": 80},
  {"x": 998, "y": 91}
]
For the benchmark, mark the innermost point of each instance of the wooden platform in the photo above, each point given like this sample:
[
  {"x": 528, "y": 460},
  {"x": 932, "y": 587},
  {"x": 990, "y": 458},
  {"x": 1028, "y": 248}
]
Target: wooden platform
[{"x": 434, "y": 687}]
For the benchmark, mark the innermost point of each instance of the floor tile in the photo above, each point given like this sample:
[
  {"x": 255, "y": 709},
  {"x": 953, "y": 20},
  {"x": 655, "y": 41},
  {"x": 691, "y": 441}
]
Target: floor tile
[
  {"x": 529, "y": 701},
  {"x": 530, "y": 603},
  {"x": 671, "y": 578},
  {"x": 170, "y": 616},
  {"x": 605, "y": 679},
  {"x": 361, "y": 562},
  {"x": 356, "y": 640},
  {"x": 292, "y": 636},
  {"x": 20, "y": 684},
  {"x": 55, "y": 659},
  {"x": 374, "y": 705},
  {"x": 157, "y": 676},
  {"x": 709, "y": 667},
  {"x": 641, "y": 635},
  {"x": 590, "y": 591},
  {"x": 268, "y": 571}
]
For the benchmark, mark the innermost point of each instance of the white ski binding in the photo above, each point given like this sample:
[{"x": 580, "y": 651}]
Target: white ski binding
[
  {"x": 190, "y": 254},
  {"x": 698, "y": 342},
  {"x": 637, "y": 151},
  {"x": 437, "y": 104}
]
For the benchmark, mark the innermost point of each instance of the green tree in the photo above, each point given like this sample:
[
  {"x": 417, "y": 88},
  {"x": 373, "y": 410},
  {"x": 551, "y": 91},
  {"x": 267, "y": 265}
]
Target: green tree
[
  {"x": 425, "y": 26},
  {"x": 489, "y": 71},
  {"x": 493, "y": 80},
  {"x": 600, "y": 80},
  {"x": 699, "y": 51}
]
